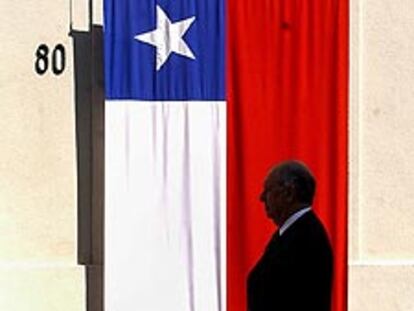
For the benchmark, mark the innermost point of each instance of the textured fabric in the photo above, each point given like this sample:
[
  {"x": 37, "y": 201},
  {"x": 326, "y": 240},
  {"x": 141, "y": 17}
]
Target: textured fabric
[
  {"x": 164, "y": 206},
  {"x": 165, "y": 161},
  {"x": 130, "y": 63},
  {"x": 285, "y": 84},
  {"x": 295, "y": 271},
  {"x": 287, "y": 97}
]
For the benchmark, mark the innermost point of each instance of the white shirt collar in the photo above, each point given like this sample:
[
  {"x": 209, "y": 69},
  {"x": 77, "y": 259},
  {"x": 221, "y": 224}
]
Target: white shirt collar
[{"x": 293, "y": 219}]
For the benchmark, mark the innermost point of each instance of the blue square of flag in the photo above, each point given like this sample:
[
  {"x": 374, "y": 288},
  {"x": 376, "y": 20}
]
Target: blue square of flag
[{"x": 164, "y": 50}]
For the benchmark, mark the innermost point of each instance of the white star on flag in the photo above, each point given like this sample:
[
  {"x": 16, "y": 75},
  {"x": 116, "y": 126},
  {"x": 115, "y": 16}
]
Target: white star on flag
[{"x": 168, "y": 37}]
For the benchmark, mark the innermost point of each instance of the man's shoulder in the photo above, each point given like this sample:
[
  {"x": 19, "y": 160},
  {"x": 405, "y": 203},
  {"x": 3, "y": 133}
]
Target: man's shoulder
[
  {"x": 309, "y": 223},
  {"x": 308, "y": 233}
]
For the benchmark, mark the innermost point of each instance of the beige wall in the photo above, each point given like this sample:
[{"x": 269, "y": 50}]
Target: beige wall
[
  {"x": 38, "y": 269},
  {"x": 381, "y": 264}
]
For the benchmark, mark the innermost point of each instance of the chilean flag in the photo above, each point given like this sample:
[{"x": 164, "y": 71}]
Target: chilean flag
[{"x": 202, "y": 98}]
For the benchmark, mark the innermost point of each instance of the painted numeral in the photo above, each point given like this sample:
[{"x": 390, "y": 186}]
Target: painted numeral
[{"x": 57, "y": 59}]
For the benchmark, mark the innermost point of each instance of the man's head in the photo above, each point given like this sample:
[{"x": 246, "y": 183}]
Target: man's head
[{"x": 288, "y": 187}]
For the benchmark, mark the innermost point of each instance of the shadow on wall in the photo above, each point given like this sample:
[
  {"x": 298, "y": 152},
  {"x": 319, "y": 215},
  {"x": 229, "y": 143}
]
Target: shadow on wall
[{"x": 90, "y": 118}]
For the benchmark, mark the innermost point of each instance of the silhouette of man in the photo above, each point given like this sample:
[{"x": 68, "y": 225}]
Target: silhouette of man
[{"x": 295, "y": 270}]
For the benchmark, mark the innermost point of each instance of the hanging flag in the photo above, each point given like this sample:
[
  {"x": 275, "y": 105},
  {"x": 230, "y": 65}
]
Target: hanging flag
[
  {"x": 202, "y": 98},
  {"x": 165, "y": 155},
  {"x": 287, "y": 97}
]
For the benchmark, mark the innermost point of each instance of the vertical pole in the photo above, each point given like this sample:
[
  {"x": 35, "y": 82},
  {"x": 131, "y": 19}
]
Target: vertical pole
[
  {"x": 89, "y": 107},
  {"x": 90, "y": 9},
  {"x": 95, "y": 270},
  {"x": 70, "y": 17}
]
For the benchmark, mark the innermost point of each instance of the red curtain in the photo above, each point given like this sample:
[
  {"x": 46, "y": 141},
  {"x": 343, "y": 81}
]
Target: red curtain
[{"x": 287, "y": 64}]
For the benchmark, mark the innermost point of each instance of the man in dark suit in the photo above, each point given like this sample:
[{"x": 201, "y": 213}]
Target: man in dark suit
[{"x": 295, "y": 270}]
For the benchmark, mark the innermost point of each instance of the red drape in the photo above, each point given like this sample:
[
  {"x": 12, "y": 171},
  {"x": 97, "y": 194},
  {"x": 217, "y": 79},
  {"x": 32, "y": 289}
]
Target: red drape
[{"x": 287, "y": 64}]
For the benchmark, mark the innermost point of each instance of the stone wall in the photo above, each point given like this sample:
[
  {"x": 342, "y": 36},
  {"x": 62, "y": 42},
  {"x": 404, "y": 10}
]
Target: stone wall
[
  {"x": 38, "y": 233},
  {"x": 38, "y": 267},
  {"x": 381, "y": 231}
]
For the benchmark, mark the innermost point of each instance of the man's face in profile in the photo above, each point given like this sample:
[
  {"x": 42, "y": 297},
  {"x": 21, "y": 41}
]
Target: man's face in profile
[
  {"x": 272, "y": 198},
  {"x": 277, "y": 199}
]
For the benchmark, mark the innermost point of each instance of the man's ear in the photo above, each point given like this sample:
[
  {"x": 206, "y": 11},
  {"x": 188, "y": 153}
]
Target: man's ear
[{"x": 290, "y": 193}]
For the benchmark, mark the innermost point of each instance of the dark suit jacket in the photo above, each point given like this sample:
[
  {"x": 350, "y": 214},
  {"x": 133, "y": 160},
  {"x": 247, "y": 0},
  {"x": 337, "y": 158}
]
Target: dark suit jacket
[{"x": 295, "y": 270}]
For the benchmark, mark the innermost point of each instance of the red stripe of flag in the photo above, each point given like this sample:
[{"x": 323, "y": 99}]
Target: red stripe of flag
[{"x": 287, "y": 64}]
